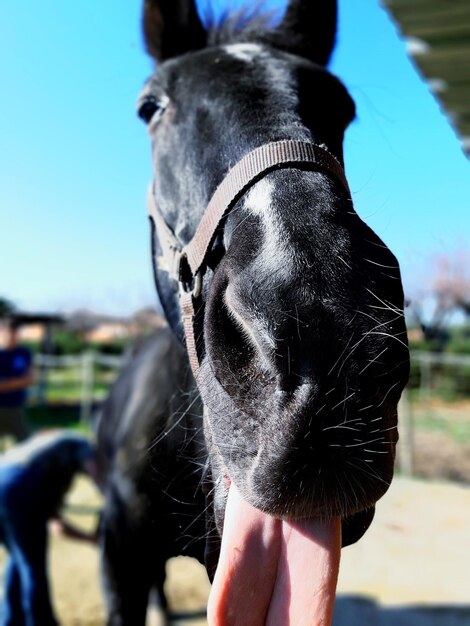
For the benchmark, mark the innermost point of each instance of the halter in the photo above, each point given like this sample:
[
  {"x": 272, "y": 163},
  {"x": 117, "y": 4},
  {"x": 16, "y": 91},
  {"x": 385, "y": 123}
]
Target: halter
[{"x": 187, "y": 264}]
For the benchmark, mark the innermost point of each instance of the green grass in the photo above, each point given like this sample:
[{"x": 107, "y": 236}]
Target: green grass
[
  {"x": 65, "y": 385},
  {"x": 456, "y": 429},
  {"x": 72, "y": 393},
  {"x": 459, "y": 432}
]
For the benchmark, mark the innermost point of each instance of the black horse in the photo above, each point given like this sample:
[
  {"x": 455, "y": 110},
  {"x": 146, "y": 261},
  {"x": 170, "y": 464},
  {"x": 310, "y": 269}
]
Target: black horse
[
  {"x": 292, "y": 307},
  {"x": 151, "y": 461}
]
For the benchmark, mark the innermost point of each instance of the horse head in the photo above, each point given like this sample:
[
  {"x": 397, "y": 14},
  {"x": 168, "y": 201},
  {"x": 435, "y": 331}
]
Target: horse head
[{"x": 297, "y": 319}]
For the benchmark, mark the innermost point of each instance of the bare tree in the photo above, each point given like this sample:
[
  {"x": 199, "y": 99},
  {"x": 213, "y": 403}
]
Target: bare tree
[
  {"x": 451, "y": 281},
  {"x": 443, "y": 292}
]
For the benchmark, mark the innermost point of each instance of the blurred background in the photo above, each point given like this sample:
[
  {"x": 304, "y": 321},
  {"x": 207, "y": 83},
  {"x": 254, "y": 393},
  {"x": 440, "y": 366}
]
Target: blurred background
[{"x": 75, "y": 260}]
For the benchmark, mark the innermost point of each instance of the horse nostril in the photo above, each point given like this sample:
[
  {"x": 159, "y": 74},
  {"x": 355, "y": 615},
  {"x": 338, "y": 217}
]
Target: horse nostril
[
  {"x": 236, "y": 317},
  {"x": 278, "y": 354},
  {"x": 255, "y": 340},
  {"x": 286, "y": 382},
  {"x": 294, "y": 362}
]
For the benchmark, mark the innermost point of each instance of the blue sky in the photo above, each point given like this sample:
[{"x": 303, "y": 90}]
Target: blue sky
[{"x": 74, "y": 159}]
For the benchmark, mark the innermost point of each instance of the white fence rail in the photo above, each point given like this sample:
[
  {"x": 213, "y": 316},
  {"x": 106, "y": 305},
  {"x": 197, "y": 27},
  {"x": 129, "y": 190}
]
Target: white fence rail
[
  {"x": 91, "y": 375},
  {"x": 439, "y": 392},
  {"x": 49, "y": 360},
  {"x": 440, "y": 358},
  {"x": 81, "y": 369}
]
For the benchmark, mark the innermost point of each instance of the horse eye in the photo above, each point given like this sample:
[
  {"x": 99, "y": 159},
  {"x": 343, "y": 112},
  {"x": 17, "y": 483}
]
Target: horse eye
[{"x": 150, "y": 107}]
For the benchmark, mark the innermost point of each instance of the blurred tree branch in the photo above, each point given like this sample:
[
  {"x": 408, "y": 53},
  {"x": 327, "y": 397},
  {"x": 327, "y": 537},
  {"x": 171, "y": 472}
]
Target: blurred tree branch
[
  {"x": 445, "y": 291},
  {"x": 7, "y": 307}
]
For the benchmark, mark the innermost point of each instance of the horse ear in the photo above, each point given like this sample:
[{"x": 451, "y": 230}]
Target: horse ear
[
  {"x": 308, "y": 29},
  {"x": 172, "y": 27}
]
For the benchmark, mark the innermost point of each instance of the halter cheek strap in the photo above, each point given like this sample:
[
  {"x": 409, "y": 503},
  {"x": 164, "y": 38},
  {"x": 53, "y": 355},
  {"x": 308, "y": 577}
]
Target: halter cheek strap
[{"x": 187, "y": 264}]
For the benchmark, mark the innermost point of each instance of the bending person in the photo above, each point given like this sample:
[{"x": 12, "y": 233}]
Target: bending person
[{"x": 34, "y": 478}]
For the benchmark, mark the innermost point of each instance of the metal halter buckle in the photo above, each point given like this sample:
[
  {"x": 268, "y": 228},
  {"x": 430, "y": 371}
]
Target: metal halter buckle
[{"x": 189, "y": 283}]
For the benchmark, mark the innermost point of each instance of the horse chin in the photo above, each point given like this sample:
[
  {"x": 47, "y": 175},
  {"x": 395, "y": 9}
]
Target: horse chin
[
  {"x": 290, "y": 467},
  {"x": 356, "y": 515},
  {"x": 339, "y": 502}
]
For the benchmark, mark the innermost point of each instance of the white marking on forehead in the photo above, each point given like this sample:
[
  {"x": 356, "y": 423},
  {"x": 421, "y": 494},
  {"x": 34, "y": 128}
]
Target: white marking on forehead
[
  {"x": 243, "y": 51},
  {"x": 275, "y": 254},
  {"x": 259, "y": 198}
]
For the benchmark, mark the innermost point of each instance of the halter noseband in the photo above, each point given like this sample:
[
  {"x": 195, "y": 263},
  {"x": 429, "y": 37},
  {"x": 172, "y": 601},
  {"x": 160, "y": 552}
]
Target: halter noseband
[{"x": 187, "y": 264}]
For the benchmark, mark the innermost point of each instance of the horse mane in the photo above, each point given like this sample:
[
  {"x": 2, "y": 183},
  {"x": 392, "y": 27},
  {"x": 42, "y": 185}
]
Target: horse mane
[
  {"x": 259, "y": 24},
  {"x": 253, "y": 23}
]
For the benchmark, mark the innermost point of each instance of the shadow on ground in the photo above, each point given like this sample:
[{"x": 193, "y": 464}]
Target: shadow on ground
[{"x": 354, "y": 611}]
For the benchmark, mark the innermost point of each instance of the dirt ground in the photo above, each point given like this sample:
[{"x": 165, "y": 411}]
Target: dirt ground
[
  {"x": 411, "y": 569},
  {"x": 437, "y": 456},
  {"x": 439, "y": 435}
]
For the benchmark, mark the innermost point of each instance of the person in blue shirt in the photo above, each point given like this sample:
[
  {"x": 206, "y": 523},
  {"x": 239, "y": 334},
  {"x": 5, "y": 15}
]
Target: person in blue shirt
[
  {"x": 34, "y": 478},
  {"x": 16, "y": 375}
]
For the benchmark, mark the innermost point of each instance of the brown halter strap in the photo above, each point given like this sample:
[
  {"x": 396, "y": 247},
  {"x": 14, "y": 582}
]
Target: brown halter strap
[{"x": 186, "y": 264}]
